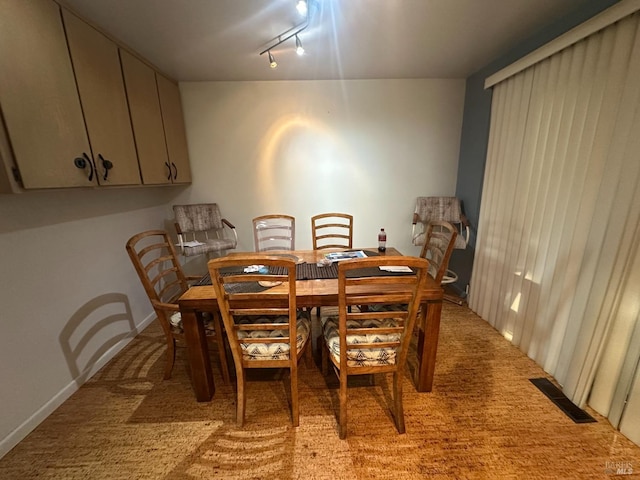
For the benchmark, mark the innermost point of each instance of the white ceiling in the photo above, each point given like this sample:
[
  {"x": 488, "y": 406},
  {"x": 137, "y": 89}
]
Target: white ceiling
[{"x": 193, "y": 40}]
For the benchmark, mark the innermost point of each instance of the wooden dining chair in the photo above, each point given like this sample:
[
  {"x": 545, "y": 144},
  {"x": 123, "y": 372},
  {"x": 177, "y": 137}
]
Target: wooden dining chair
[
  {"x": 332, "y": 230},
  {"x": 156, "y": 261},
  {"x": 376, "y": 339},
  {"x": 263, "y": 325},
  {"x": 440, "y": 239},
  {"x": 274, "y": 232}
]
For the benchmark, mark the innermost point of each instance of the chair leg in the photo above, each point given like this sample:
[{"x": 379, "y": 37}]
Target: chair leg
[
  {"x": 171, "y": 357},
  {"x": 295, "y": 412},
  {"x": 242, "y": 399},
  {"x": 397, "y": 400},
  {"x": 343, "y": 406},
  {"x": 222, "y": 352},
  {"x": 324, "y": 367}
]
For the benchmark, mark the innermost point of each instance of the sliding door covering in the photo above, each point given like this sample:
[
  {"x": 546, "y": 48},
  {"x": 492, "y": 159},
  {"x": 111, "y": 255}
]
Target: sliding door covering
[{"x": 560, "y": 209}]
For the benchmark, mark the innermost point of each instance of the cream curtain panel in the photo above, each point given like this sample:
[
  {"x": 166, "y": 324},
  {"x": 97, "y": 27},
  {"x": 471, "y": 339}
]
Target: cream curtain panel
[{"x": 560, "y": 210}]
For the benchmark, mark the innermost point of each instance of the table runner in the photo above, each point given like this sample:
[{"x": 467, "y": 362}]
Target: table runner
[{"x": 305, "y": 271}]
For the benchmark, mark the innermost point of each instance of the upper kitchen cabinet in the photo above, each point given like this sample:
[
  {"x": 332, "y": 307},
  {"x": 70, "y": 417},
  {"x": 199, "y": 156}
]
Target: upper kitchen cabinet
[
  {"x": 96, "y": 63},
  {"x": 146, "y": 118},
  {"x": 67, "y": 118},
  {"x": 176, "y": 137},
  {"x": 39, "y": 98},
  {"x": 158, "y": 125}
]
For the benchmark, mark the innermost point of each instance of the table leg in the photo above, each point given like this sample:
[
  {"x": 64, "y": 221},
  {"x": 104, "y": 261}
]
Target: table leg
[
  {"x": 428, "y": 344},
  {"x": 198, "y": 355}
]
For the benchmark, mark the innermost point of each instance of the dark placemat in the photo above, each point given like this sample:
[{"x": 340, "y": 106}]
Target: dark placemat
[{"x": 244, "y": 287}]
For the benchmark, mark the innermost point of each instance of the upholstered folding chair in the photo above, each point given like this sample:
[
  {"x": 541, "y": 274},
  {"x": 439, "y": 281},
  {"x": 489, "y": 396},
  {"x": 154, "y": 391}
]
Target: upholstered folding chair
[
  {"x": 274, "y": 232},
  {"x": 332, "y": 230},
  {"x": 376, "y": 339},
  {"x": 202, "y": 230},
  {"x": 156, "y": 262},
  {"x": 263, "y": 325},
  {"x": 441, "y": 209}
]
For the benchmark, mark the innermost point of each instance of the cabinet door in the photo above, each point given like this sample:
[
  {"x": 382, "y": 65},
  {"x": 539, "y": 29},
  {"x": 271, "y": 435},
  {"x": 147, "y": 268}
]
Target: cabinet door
[
  {"x": 39, "y": 98},
  {"x": 174, "y": 129},
  {"x": 146, "y": 118},
  {"x": 99, "y": 76}
]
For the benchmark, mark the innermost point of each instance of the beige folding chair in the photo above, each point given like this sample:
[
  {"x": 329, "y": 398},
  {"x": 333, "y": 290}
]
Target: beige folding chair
[{"x": 202, "y": 230}]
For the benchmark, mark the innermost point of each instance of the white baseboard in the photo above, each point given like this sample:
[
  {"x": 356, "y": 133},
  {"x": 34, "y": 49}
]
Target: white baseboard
[{"x": 17, "y": 435}]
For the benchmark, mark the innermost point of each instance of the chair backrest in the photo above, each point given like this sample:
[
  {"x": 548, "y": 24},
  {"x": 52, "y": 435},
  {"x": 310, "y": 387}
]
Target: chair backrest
[
  {"x": 440, "y": 239},
  {"x": 198, "y": 217},
  {"x": 244, "y": 309},
  {"x": 388, "y": 295},
  {"x": 155, "y": 259},
  {"x": 439, "y": 209},
  {"x": 332, "y": 230},
  {"x": 274, "y": 232}
]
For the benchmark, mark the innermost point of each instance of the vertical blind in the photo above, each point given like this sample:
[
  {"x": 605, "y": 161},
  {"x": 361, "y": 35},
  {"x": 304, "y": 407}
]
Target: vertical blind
[{"x": 561, "y": 206}]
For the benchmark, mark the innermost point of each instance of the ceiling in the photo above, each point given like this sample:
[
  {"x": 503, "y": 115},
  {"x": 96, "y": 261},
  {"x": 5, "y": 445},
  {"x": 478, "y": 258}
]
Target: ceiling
[{"x": 200, "y": 40}]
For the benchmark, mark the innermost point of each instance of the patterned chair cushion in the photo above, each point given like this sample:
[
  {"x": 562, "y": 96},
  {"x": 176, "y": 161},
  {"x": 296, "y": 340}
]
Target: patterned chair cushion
[
  {"x": 366, "y": 356},
  {"x": 272, "y": 351},
  {"x": 176, "y": 324}
]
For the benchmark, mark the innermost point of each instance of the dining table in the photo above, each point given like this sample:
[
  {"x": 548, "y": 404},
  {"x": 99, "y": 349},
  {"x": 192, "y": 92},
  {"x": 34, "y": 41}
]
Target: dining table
[{"x": 310, "y": 292}]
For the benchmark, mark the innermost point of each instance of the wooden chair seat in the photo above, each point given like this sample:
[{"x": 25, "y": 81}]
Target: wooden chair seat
[
  {"x": 362, "y": 357},
  {"x": 272, "y": 351}
]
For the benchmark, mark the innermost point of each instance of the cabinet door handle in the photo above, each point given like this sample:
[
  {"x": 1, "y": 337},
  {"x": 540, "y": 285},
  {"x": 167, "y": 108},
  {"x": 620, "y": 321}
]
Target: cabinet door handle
[
  {"x": 168, "y": 168},
  {"x": 106, "y": 164},
  {"x": 82, "y": 162},
  {"x": 175, "y": 169}
]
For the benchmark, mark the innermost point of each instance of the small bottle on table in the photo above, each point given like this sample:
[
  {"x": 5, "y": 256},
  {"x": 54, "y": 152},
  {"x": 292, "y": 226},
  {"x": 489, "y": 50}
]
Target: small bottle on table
[{"x": 382, "y": 240}]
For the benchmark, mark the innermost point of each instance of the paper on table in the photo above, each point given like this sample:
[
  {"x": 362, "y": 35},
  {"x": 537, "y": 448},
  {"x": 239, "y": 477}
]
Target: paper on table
[
  {"x": 394, "y": 268},
  {"x": 193, "y": 243},
  {"x": 348, "y": 255}
]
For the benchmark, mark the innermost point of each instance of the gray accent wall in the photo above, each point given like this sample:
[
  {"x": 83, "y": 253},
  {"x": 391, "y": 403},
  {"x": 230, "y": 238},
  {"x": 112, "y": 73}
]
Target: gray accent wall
[{"x": 475, "y": 128}]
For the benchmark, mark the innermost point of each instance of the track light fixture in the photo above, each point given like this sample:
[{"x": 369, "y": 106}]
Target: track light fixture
[
  {"x": 299, "y": 47},
  {"x": 272, "y": 61},
  {"x": 302, "y": 7}
]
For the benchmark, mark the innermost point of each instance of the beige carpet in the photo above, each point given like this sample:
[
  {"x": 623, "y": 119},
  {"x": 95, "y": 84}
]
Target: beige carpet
[{"x": 483, "y": 420}]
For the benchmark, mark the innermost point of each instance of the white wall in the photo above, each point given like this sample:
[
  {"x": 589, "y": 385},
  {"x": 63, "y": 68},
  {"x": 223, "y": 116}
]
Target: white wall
[
  {"x": 365, "y": 147},
  {"x": 63, "y": 272}
]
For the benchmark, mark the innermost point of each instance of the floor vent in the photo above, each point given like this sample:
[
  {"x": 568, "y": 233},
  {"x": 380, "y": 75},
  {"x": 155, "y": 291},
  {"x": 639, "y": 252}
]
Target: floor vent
[{"x": 556, "y": 396}]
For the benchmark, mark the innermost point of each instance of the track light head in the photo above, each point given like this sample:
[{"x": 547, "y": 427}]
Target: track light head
[
  {"x": 299, "y": 47},
  {"x": 272, "y": 61}
]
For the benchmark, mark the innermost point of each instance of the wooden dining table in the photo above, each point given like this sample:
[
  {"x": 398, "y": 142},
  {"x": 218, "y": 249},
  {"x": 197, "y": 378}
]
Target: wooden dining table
[{"x": 309, "y": 293}]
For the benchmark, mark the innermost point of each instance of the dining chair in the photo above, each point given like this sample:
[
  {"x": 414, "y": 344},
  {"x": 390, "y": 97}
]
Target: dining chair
[
  {"x": 156, "y": 261},
  {"x": 376, "y": 339},
  {"x": 264, "y": 330},
  {"x": 202, "y": 230},
  {"x": 274, "y": 232},
  {"x": 441, "y": 209},
  {"x": 332, "y": 230},
  {"x": 440, "y": 239}
]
